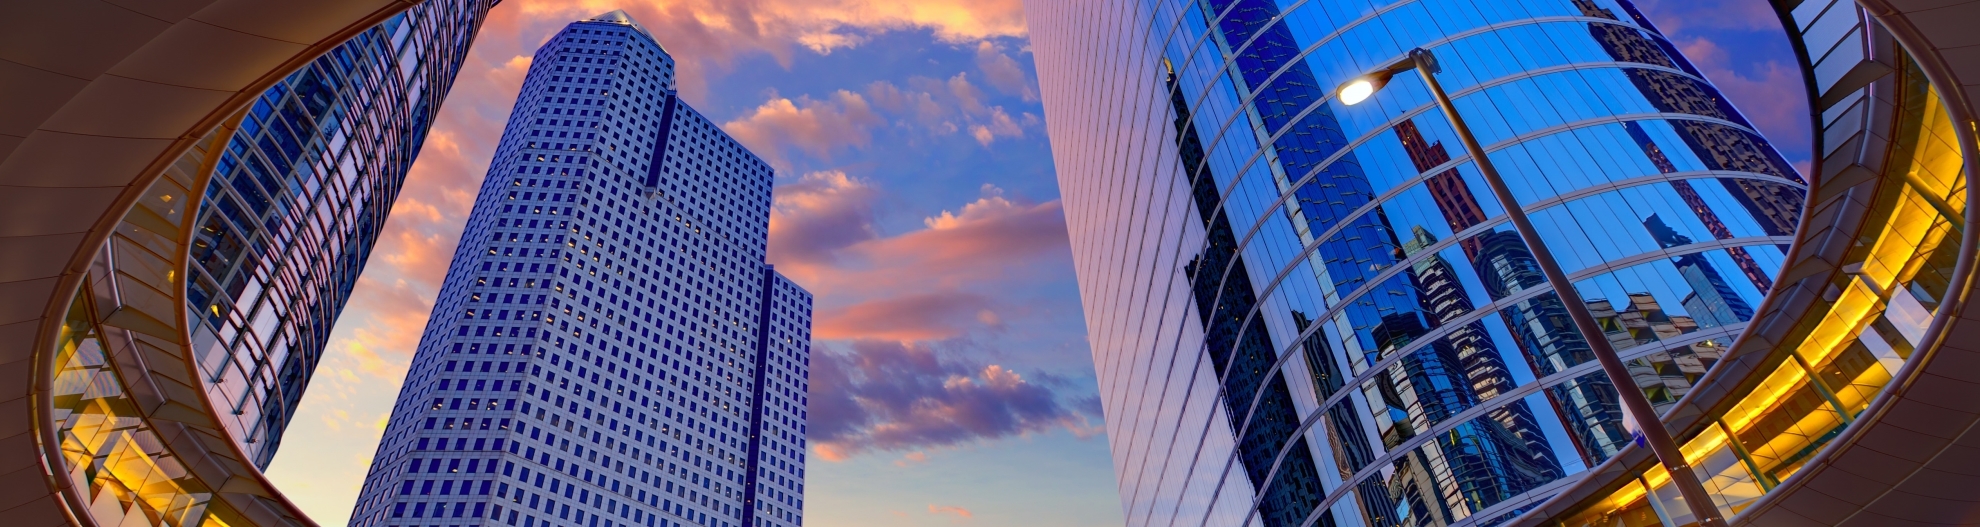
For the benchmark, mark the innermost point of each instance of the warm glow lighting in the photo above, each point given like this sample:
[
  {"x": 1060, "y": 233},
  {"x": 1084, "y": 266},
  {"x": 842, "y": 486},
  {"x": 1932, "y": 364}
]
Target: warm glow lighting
[{"x": 1356, "y": 91}]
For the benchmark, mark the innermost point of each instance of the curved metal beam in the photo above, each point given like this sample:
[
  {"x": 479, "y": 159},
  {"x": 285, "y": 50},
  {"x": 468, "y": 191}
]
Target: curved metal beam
[{"x": 104, "y": 97}]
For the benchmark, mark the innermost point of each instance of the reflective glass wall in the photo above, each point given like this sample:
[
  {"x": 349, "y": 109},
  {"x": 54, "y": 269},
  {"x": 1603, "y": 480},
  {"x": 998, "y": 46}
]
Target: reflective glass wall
[
  {"x": 298, "y": 197},
  {"x": 1305, "y": 313}
]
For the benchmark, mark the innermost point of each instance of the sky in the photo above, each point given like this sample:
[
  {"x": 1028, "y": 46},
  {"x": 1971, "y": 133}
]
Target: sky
[{"x": 951, "y": 382}]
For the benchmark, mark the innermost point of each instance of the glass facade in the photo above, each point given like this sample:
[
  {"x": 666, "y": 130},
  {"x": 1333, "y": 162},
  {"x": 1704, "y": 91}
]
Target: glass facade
[
  {"x": 298, "y": 197},
  {"x": 608, "y": 348},
  {"x": 1305, "y": 313}
]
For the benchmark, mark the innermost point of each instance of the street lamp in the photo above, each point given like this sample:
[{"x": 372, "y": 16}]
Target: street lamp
[{"x": 1654, "y": 434}]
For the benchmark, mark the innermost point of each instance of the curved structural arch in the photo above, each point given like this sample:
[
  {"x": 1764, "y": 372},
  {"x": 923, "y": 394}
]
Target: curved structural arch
[
  {"x": 115, "y": 114},
  {"x": 1846, "y": 403}
]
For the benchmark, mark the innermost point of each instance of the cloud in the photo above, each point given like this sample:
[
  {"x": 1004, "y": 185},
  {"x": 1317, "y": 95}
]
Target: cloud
[
  {"x": 885, "y": 300},
  {"x": 1003, "y": 72},
  {"x": 821, "y": 127},
  {"x": 998, "y": 125},
  {"x": 708, "y": 35},
  {"x": 966, "y": 93},
  {"x": 388, "y": 329},
  {"x": 947, "y": 280},
  {"x": 903, "y": 397},
  {"x": 989, "y": 236},
  {"x": 949, "y": 509},
  {"x": 822, "y": 236},
  {"x": 916, "y": 106},
  {"x": 821, "y": 213},
  {"x": 932, "y": 316},
  {"x": 817, "y": 127}
]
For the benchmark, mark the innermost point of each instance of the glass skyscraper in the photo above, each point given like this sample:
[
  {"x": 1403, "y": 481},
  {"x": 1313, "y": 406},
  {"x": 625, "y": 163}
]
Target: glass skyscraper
[
  {"x": 297, "y": 200},
  {"x": 1306, "y": 313},
  {"x": 608, "y": 348}
]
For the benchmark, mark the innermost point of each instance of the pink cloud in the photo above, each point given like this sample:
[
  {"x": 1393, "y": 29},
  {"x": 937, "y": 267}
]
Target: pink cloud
[
  {"x": 884, "y": 298},
  {"x": 901, "y": 397},
  {"x": 820, "y": 214},
  {"x": 391, "y": 317},
  {"x": 999, "y": 124},
  {"x": 818, "y": 127},
  {"x": 991, "y": 236},
  {"x": 925, "y": 284},
  {"x": 844, "y": 119},
  {"x": 932, "y": 316},
  {"x": 949, "y": 509},
  {"x": 1003, "y": 72},
  {"x": 822, "y": 236}
]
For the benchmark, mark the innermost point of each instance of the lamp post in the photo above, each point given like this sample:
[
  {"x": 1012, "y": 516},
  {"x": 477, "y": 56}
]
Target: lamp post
[{"x": 1654, "y": 435}]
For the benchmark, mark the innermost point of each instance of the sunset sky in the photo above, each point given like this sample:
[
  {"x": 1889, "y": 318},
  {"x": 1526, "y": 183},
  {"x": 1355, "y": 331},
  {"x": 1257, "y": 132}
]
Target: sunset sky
[{"x": 951, "y": 381}]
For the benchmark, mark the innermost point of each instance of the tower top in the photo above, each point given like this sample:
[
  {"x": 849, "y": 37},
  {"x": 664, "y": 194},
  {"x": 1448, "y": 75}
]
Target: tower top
[{"x": 619, "y": 16}]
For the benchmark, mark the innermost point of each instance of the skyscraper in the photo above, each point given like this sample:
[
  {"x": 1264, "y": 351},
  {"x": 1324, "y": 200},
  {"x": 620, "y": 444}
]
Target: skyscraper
[
  {"x": 299, "y": 195},
  {"x": 608, "y": 348},
  {"x": 1305, "y": 313}
]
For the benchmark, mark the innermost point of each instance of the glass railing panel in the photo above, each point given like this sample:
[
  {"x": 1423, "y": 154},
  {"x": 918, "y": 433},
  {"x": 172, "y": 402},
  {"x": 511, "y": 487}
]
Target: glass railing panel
[{"x": 113, "y": 456}]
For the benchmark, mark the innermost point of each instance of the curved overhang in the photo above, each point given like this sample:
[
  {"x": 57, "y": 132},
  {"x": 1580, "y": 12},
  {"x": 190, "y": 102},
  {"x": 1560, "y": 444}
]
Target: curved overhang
[
  {"x": 1879, "y": 74},
  {"x": 1913, "y": 458},
  {"x": 112, "y": 108}
]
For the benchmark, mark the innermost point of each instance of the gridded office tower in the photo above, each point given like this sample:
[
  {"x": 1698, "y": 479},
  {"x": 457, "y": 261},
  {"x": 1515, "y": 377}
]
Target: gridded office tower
[
  {"x": 609, "y": 348},
  {"x": 297, "y": 200},
  {"x": 1306, "y": 313}
]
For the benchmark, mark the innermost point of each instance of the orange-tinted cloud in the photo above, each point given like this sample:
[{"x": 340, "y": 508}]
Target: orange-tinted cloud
[
  {"x": 958, "y": 511},
  {"x": 934, "y": 283},
  {"x": 814, "y": 126},
  {"x": 822, "y": 127},
  {"x": 992, "y": 239},
  {"x": 992, "y": 235},
  {"x": 930, "y": 316},
  {"x": 815, "y": 217},
  {"x": 999, "y": 124}
]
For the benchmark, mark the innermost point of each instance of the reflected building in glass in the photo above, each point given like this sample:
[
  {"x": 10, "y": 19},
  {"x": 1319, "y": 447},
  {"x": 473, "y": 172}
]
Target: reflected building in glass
[
  {"x": 1305, "y": 313},
  {"x": 298, "y": 197}
]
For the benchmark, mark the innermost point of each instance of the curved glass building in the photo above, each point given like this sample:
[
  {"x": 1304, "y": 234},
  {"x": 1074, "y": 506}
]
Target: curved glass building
[
  {"x": 299, "y": 195},
  {"x": 1306, "y": 313}
]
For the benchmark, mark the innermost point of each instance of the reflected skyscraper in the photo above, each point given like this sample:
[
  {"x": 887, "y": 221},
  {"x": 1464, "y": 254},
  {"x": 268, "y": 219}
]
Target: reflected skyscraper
[
  {"x": 608, "y": 348},
  {"x": 1289, "y": 297}
]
